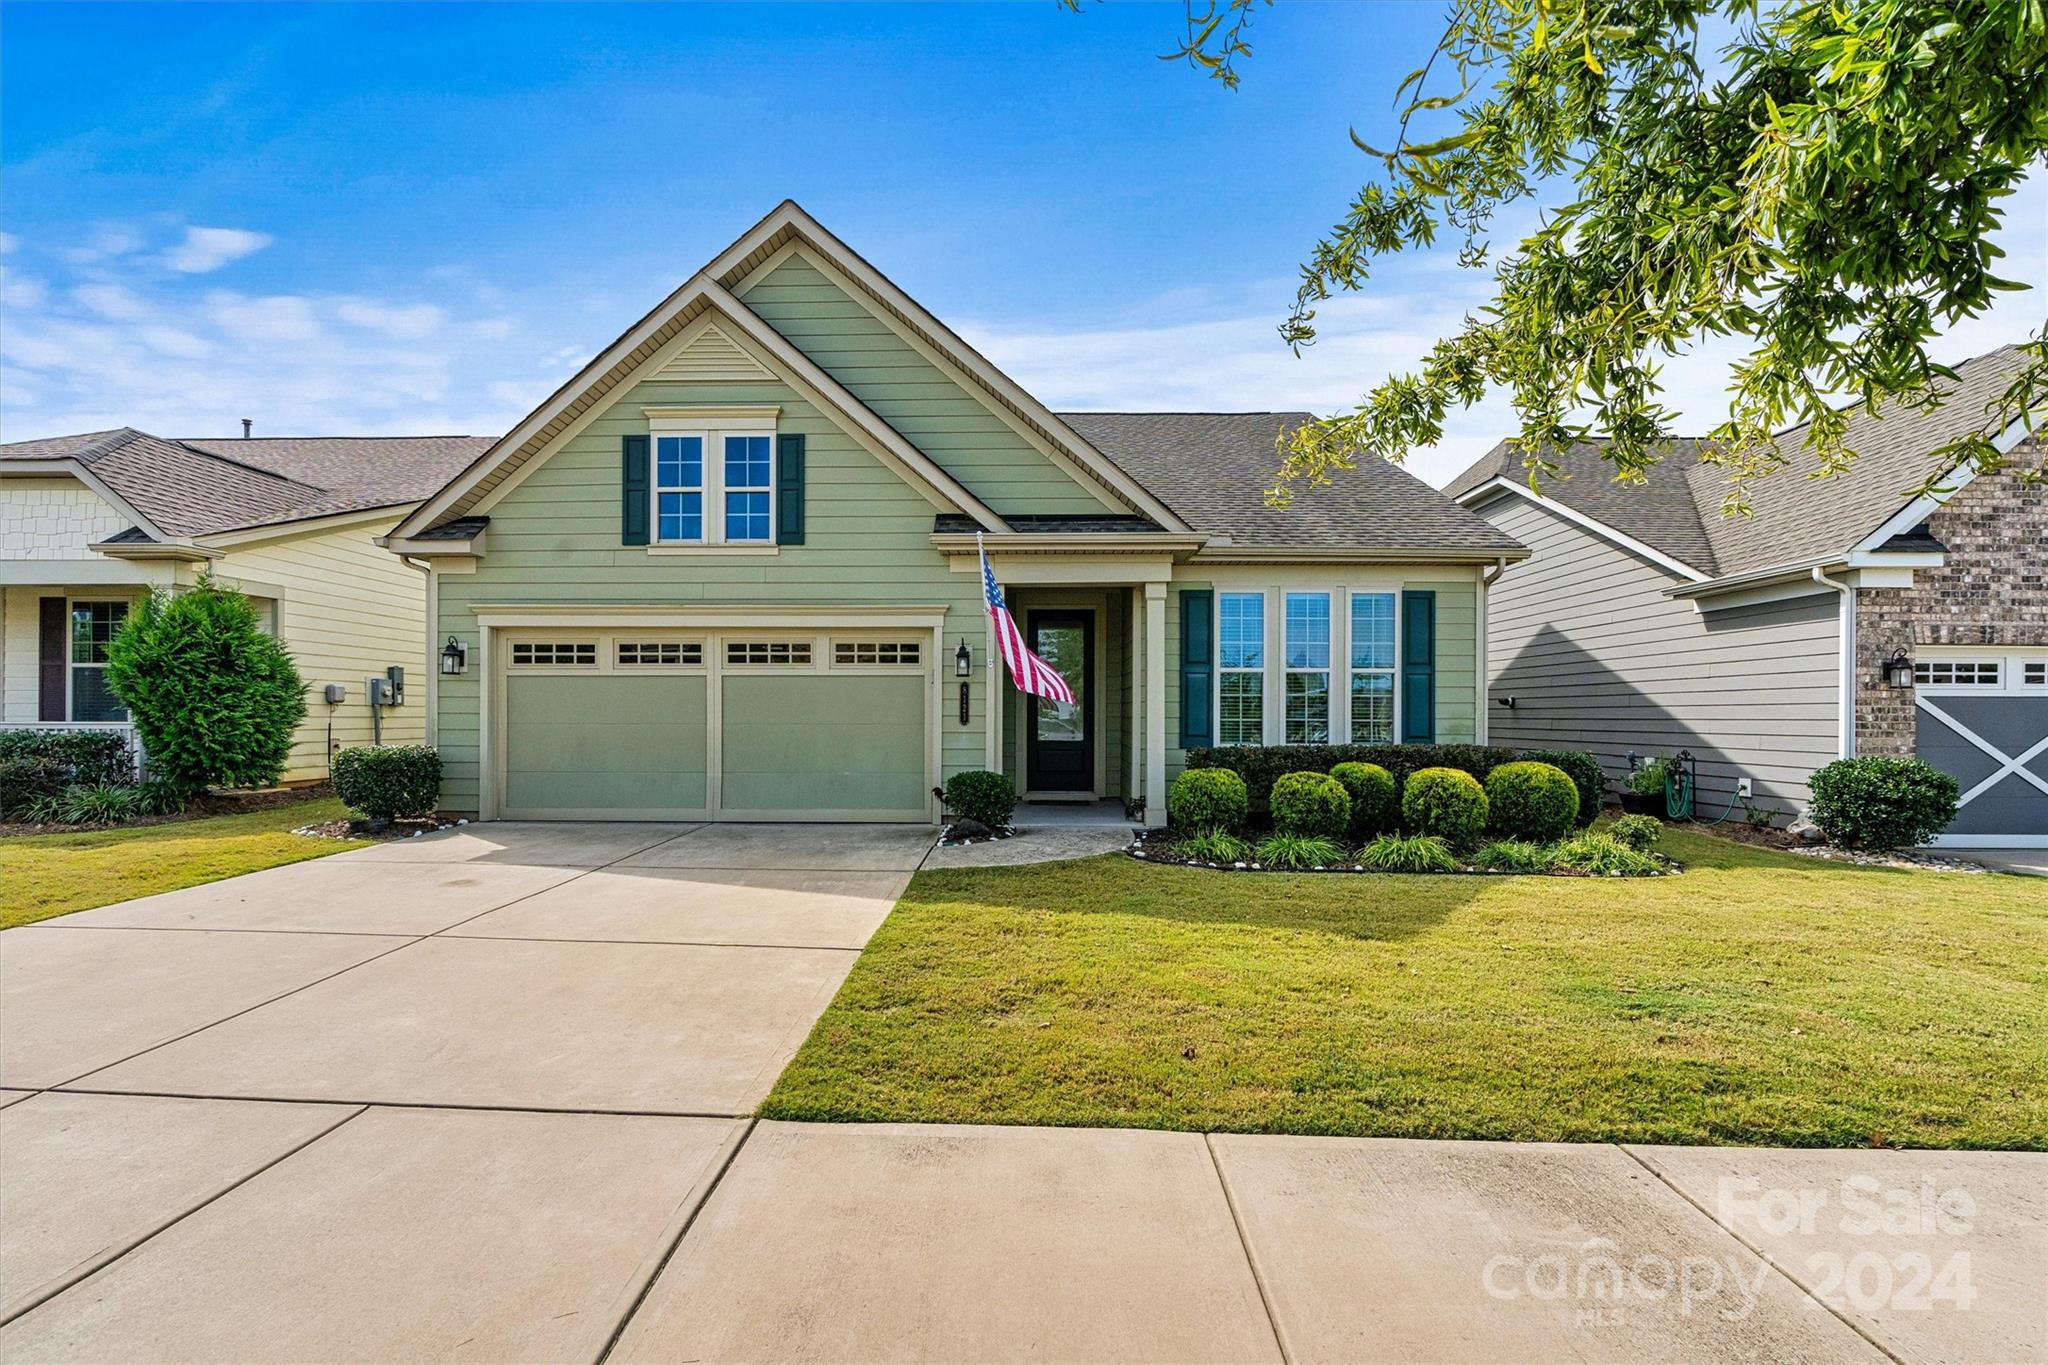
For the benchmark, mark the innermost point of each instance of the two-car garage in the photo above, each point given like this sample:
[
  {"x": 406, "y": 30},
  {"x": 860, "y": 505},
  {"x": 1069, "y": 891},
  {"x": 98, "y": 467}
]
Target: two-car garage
[{"x": 629, "y": 722}]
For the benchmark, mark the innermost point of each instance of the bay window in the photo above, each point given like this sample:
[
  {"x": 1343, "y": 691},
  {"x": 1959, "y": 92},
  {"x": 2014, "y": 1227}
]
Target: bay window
[
  {"x": 1241, "y": 668},
  {"x": 1372, "y": 668},
  {"x": 1307, "y": 648}
]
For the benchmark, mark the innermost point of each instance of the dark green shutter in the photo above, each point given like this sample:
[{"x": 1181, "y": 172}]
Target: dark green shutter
[
  {"x": 789, "y": 490},
  {"x": 635, "y": 495},
  {"x": 1197, "y": 664},
  {"x": 1418, "y": 668},
  {"x": 53, "y": 644}
]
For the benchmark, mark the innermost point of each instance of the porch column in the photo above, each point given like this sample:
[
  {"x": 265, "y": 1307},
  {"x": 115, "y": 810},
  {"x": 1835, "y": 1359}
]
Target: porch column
[
  {"x": 1134, "y": 783},
  {"x": 1155, "y": 705}
]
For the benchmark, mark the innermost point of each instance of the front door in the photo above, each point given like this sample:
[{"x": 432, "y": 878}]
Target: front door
[{"x": 1059, "y": 750}]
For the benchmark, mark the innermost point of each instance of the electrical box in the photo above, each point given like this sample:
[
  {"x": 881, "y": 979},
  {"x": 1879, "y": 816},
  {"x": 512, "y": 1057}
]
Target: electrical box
[
  {"x": 336, "y": 694},
  {"x": 395, "y": 691},
  {"x": 377, "y": 691}
]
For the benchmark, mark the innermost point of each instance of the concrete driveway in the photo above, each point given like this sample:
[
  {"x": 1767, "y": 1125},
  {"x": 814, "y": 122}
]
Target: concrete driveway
[{"x": 482, "y": 1096}]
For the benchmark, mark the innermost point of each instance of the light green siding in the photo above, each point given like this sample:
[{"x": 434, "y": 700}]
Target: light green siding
[
  {"x": 604, "y": 743},
  {"x": 1457, "y": 658},
  {"x": 868, "y": 758},
  {"x": 956, "y": 428},
  {"x": 555, "y": 538}
]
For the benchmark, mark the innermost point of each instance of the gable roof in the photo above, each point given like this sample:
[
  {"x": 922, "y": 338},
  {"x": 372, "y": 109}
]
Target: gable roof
[
  {"x": 710, "y": 290},
  {"x": 1213, "y": 469},
  {"x": 199, "y": 487},
  {"x": 1797, "y": 517}
]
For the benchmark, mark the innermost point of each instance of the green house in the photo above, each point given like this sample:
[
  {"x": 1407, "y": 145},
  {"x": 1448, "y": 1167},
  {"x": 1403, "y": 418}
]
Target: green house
[{"x": 731, "y": 571}]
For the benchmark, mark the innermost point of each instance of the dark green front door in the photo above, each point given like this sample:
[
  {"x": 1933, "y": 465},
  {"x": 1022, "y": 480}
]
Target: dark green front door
[{"x": 1060, "y": 744}]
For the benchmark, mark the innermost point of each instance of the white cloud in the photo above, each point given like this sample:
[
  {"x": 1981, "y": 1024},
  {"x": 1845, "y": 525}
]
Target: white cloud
[
  {"x": 107, "y": 242},
  {"x": 209, "y": 248},
  {"x": 8, "y": 242},
  {"x": 20, "y": 291},
  {"x": 278, "y": 317},
  {"x": 111, "y": 301},
  {"x": 404, "y": 321}
]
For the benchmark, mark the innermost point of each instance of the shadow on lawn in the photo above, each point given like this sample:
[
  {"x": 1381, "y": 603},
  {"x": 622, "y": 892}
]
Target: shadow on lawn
[{"x": 1362, "y": 906}]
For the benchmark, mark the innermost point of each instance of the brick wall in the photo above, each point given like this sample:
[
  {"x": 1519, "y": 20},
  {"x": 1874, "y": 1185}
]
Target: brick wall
[{"x": 1992, "y": 591}]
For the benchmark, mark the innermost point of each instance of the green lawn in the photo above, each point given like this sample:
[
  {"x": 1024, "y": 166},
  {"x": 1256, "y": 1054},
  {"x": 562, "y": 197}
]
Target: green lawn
[
  {"x": 1759, "y": 998},
  {"x": 42, "y": 875}
]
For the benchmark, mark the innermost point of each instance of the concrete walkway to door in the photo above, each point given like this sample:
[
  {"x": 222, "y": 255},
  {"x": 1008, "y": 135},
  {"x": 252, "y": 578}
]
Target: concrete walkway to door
[{"x": 481, "y": 1096}]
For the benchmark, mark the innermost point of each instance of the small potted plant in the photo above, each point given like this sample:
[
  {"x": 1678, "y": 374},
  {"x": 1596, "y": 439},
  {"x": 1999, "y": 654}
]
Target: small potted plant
[{"x": 1644, "y": 794}]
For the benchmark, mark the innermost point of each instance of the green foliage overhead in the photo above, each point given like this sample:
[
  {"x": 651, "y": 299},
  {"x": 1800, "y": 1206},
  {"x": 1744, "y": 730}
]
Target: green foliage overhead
[
  {"x": 1822, "y": 185},
  {"x": 214, "y": 698},
  {"x": 388, "y": 782}
]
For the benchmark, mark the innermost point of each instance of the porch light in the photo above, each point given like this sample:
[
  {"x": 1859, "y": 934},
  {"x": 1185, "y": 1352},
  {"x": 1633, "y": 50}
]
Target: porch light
[
  {"x": 1898, "y": 670},
  {"x": 454, "y": 657},
  {"x": 963, "y": 661}
]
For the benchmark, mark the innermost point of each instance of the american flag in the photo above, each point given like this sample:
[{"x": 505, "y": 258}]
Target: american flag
[{"x": 1031, "y": 673}]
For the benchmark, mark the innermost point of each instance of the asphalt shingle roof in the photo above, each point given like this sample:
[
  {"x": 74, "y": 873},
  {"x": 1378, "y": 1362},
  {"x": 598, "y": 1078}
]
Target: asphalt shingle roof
[
  {"x": 1797, "y": 517},
  {"x": 201, "y": 487},
  {"x": 1213, "y": 469}
]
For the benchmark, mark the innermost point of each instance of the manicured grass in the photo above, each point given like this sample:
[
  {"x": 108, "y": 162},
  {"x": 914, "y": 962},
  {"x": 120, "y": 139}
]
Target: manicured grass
[
  {"x": 1760, "y": 998},
  {"x": 43, "y": 875}
]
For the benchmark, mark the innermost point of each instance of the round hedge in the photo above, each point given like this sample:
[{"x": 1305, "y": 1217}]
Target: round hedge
[
  {"x": 979, "y": 794},
  {"x": 388, "y": 782},
  {"x": 1446, "y": 803},
  {"x": 1882, "y": 803},
  {"x": 1586, "y": 774},
  {"x": 1312, "y": 805},
  {"x": 1536, "y": 802},
  {"x": 1374, "y": 798},
  {"x": 1207, "y": 800}
]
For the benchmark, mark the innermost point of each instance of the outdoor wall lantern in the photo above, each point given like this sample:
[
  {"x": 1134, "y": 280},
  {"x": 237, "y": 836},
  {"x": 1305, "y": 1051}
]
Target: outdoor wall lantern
[
  {"x": 1898, "y": 670},
  {"x": 454, "y": 657},
  {"x": 963, "y": 661}
]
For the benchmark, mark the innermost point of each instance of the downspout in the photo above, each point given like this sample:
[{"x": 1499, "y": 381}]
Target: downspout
[
  {"x": 432, "y": 658},
  {"x": 1487, "y": 578},
  {"x": 1846, "y": 720}
]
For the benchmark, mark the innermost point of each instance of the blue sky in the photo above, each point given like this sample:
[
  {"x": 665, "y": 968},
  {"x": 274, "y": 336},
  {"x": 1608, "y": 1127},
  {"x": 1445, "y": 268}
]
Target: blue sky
[{"x": 422, "y": 218}]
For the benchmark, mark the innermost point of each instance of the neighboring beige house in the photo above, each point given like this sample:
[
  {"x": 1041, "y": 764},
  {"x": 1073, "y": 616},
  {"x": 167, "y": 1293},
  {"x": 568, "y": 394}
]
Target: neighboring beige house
[
  {"x": 90, "y": 523},
  {"x": 1844, "y": 617}
]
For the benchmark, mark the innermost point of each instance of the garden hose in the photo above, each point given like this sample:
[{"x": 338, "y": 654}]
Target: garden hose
[
  {"x": 1725, "y": 811},
  {"x": 1678, "y": 779}
]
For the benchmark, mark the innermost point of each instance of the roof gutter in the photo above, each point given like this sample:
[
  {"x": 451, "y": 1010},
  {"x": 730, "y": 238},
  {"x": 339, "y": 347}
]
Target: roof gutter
[
  {"x": 1846, "y": 648},
  {"x": 1307, "y": 554}
]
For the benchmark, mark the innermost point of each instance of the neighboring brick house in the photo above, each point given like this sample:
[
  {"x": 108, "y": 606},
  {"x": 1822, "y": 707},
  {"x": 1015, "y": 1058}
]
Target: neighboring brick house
[{"x": 1842, "y": 617}]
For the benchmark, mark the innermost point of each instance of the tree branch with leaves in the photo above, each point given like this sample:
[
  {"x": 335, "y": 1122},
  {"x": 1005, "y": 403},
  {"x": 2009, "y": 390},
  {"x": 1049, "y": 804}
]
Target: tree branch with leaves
[{"x": 1825, "y": 188}]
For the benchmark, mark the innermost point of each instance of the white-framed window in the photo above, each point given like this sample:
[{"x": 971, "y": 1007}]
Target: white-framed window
[
  {"x": 1372, "y": 667},
  {"x": 785, "y": 653},
  {"x": 679, "y": 488},
  {"x": 749, "y": 489},
  {"x": 876, "y": 653},
  {"x": 659, "y": 653},
  {"x": 714, "y": 479},
  {"x": 1957, "y": 672},
  {"x": 1240, "y": 668},
  {"x": 93, "y": 626},
  {"x": 1306, "y": 645},
  {"x": 554, "y": 654},
  {"x": 2035, "y": 673}
]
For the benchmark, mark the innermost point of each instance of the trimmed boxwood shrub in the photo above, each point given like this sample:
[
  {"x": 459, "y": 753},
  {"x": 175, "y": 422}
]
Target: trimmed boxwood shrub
[
  {"x": 1259, "y": 764},
  {"x": 1375, "y": 800},
  {"x": 1586, "y": 774},
  {"x": 1536, "y": 802},
  {"x": 1445, "y": 802},
  {"x": 1639, "y": 832},
  {"x": 979, "y": 794},
  {"x": 1207, "y": 800},
  {"x": 1310, "y": 804},
  {"x": 214, "y": 697},
  {"x": 388, "y": 783},
  {"x": 1882, "y": 803}
]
